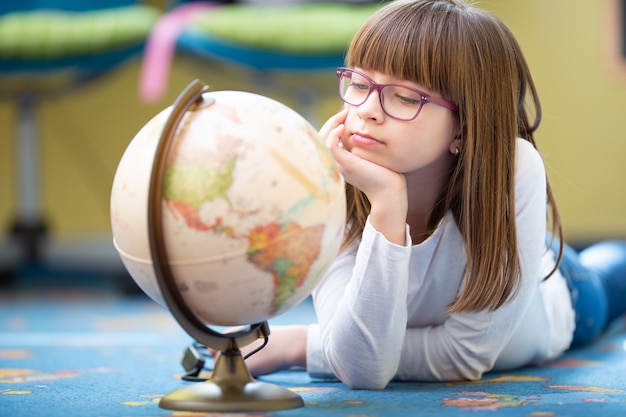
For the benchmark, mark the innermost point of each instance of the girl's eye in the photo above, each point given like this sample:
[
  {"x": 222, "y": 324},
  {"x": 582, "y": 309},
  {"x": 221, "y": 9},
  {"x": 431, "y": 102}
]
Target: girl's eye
[
  {"x": 360, "y": 86},
  {"x": 405, "y": 96}
]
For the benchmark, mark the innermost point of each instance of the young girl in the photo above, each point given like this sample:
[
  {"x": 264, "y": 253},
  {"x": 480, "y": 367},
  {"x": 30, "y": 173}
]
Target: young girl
[{"x": 446, "y": 271}]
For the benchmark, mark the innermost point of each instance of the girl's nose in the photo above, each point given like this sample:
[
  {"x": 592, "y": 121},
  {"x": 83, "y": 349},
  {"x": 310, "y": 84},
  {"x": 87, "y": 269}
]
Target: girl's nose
[{"x": 372, "y": 107}]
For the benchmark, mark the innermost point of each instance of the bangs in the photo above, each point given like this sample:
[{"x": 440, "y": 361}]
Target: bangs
[{"x": 418, "y": 46}]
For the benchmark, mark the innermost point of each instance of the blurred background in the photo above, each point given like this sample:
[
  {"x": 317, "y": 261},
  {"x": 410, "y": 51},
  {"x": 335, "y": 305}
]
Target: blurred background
[{"x": 572, "y": 46}]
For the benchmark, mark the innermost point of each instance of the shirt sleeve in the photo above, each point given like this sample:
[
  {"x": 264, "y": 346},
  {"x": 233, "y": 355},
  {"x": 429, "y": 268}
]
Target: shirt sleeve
[{"x": 361, "y": 310}]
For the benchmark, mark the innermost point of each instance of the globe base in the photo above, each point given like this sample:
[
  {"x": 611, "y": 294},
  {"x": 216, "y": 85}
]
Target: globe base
[{"x": 231, "y": 388}]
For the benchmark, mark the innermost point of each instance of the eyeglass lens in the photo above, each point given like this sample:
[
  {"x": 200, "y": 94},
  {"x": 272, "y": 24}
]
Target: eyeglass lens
[{"x": 397, "y": 101}]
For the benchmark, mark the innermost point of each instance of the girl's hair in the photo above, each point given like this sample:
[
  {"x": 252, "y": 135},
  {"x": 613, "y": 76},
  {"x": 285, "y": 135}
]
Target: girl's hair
[{"x": 470, "y": 57}]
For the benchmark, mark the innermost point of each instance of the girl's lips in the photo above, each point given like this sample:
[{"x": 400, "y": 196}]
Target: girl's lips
[{"x": 364, "y": 140}]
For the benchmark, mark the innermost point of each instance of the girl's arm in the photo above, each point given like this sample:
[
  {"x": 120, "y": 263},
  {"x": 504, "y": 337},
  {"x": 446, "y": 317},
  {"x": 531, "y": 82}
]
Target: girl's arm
[{"x": 361, "y": 307}]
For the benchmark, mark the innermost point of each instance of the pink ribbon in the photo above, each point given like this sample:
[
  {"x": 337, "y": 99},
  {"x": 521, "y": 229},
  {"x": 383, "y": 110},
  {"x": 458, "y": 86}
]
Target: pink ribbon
[{"x": 160, "y": 49}]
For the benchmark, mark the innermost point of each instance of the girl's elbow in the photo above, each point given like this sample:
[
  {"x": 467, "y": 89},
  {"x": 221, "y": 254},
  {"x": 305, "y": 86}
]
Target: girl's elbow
[
  {"x": 368, "y": 385},
  {"x": 363, "y": 378},
  {"x": 471, "y": 372}
]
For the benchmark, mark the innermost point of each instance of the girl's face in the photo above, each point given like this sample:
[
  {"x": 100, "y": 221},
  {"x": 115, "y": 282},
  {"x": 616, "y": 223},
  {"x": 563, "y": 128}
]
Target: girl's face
[{"x": 424, "y": 145}]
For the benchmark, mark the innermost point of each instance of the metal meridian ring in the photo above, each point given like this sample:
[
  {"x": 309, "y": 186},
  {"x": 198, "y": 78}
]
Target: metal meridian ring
[{"x": 191, "y": 96}]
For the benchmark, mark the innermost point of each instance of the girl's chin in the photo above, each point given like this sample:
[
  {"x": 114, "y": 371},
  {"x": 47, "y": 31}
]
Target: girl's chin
[{"x": 367, "y": 156}]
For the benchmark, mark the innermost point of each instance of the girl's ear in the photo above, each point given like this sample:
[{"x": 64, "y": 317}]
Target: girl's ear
[
  {"x": 457, "y": 142},
  {"x": 455, "y": 146}
]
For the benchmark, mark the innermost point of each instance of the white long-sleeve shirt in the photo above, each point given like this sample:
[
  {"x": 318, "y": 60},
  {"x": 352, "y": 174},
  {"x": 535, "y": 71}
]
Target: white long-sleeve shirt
[{"x": 382, "y": 308}]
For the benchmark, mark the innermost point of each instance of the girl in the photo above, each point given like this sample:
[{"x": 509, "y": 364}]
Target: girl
[{"x": 446, "y": 272}]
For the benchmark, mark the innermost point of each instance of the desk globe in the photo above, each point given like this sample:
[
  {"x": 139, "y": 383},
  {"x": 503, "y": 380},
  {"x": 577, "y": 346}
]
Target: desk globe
[{"x": 227, "y": 209}]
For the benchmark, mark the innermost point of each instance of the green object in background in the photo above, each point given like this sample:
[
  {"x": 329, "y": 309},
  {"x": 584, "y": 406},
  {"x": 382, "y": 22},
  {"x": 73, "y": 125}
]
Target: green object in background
[
  {"x": 42, "y": 34},
  {"x": 298, "y": 29}
]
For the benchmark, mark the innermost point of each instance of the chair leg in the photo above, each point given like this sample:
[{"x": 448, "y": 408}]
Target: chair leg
[{"x": 29, "y": 228}]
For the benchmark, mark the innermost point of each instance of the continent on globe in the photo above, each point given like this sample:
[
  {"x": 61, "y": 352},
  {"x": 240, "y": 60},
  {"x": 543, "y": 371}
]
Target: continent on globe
[
  {"x": 187, "y": 187},
  {"x": 278, "y": 249}
]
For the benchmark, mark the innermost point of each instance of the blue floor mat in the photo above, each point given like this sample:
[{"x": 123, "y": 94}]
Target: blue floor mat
[{"x": 90, "y": 353}]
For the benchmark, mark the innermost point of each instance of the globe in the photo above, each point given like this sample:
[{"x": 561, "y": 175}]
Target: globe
[{"x": 253, "y": 208}]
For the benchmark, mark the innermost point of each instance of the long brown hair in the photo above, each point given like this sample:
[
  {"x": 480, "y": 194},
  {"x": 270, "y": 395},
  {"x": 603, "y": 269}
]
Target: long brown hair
[{"x": 470, "y": 57}]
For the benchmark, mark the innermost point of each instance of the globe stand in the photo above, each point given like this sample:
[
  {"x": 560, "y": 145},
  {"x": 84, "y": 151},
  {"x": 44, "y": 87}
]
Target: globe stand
[{"x": 230, "y": 387}]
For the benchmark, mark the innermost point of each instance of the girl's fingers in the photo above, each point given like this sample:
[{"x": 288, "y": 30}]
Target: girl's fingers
[
  {"x": 333, "y": 139},
  {"x": 332, "y": 123}
]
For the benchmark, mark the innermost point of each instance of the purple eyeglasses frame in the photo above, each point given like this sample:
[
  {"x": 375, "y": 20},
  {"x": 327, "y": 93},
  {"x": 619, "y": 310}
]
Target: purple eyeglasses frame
[{"x": 374, "y": 86}]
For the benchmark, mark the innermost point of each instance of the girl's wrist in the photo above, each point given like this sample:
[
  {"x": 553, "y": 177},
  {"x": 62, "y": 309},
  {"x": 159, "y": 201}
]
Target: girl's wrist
[
  {"x": 296, "y": 346},
  {"x": 389, "y": 219}
]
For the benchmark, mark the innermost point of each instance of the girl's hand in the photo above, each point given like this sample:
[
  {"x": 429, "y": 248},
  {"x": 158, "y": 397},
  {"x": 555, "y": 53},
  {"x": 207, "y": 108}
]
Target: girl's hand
[
  {"x": 286, "y": 348},
  {"x": 384, "y": 188}
]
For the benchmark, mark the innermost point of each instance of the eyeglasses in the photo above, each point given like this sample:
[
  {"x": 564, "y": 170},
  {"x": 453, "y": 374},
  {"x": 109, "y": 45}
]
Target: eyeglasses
[{"x": 397, "y": 101}]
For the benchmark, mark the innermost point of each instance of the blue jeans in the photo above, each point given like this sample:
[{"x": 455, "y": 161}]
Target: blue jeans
[{"x": 597, "y": 280}]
